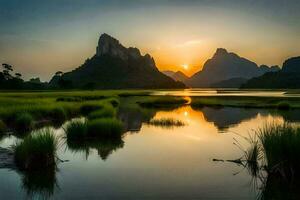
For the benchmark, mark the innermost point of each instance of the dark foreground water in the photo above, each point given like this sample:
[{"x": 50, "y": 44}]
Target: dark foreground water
[{"x": 152, "y": 162}]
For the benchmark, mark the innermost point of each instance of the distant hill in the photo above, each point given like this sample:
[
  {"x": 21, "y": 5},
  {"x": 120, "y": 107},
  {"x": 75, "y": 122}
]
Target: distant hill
[
  {"x": 230, "y": 83},
  {"x": 288, "y": 77},
  {"x": 226, "y": 66},
  {"x": 177, "y": 76},
  {"x": 114, "y": 67}
]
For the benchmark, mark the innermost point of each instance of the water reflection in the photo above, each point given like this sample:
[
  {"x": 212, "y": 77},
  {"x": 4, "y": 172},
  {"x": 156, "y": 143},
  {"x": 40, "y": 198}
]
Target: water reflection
[
  {"x": 225, "y": 117},
  {"x": 157, "y": 163},
  {"x": 39, "y": 184},
  {"x": 103, "y": 147}
]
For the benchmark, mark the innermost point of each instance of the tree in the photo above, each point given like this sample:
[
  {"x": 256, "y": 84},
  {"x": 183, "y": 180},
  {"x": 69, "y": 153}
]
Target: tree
[
  {"x": 59, "y": 73},
  {"x": 6, "y": 71},
  {"x": 7, "y": 67},
  {"x": 18, "y": 75}
]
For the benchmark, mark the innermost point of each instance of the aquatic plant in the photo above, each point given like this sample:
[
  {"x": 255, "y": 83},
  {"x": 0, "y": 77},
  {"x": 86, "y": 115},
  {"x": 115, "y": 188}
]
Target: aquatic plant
[
  {"x": 281, "y": 148},
  {"x": 283, "y": 106},
  {"x": 105, "y": 112},
  {"x": 166, "y": 122},
  {"x": 87, "y": 108},
  {"x": 76, "y": 130},
  {"x": 2, "y": 127},
  {"x": 58, "y": 114},
  {"x": 104, "y": 128},
  {"x": 114, "y": 102},
  {"x": 24, "y": 122},
  {"x": 36, "y": 151}
]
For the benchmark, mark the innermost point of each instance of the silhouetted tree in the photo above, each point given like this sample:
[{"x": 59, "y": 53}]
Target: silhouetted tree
[
  {"x": 18, "y": 75},
  {"x": 59, "y": 73},
  {"x": 6, "y": 71}
]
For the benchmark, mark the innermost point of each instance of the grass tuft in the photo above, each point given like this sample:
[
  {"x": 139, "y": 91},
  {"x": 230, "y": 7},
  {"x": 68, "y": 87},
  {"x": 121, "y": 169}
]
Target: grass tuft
[
  {"x": 283, "y": 106},
  {"x": 104, "y": 128},
  {"x": 87, "y": 108},
  {"x": 2, "y": 127},
  {"x": 36, "y": 151},
  {"x": 76, "y": 130},
  {"x": 281, "y": 147},
  {"x": 105, "y": 112},
  {"x": 58, "y": 114},
  {"x": 24, "y": 122}
]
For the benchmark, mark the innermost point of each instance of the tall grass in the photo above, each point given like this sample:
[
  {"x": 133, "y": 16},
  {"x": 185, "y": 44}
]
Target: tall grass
[
  {"x": 87, "y": 108},
  {"x": 281, "y": 148},
  {"x": 2, "y": 127},
  {"x": 58, "y": 114},
  {"x": 104, "y": 128},
  {"x": 36, "y": 151},
  {"x": 107, "y": 128},
  {"x": 105, "y": 112},
  {"x": 24, "y": 122},
  {"x": 76, "y": 130}
]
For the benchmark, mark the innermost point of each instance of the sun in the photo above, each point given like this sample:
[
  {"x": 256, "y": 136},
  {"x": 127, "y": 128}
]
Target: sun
[{"x": 185, "y": 66}]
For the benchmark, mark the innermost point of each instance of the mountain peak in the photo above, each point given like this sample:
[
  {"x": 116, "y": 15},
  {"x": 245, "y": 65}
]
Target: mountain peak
[
  {"x": 108, "y": 45},
  {"x": 221, "y": 51}
]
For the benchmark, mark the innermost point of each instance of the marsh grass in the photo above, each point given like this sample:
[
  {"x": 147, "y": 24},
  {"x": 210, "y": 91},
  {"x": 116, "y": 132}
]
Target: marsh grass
[
  {"x": 76, "y": 130},
  {"x": 104, "y": 112},
  {"x": 80, "y": 98},
  {"x": 58, "y": 114},
  {"x": 166, "y": 122},
  {"x": 2, "y": 127},
  {"x": 166, "y": 101},
  {"x": 114, "y": 102},
  {"x": 283, "y": 106},
  {"x": 104, "y": 128},
  {"x": 24, "y": 122},
  {"x": 36, "y": 151},
  {"x": 281, "y": 148},
  {"x": 87, "y": 108}
]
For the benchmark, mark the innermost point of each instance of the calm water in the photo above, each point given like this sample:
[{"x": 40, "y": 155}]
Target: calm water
[
  {"x": 229, "y": 92},
  {"x": 152, "y": 162}
]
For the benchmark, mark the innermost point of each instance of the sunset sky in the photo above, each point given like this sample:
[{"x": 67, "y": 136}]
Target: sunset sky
[{"x": 42, "y": 37}]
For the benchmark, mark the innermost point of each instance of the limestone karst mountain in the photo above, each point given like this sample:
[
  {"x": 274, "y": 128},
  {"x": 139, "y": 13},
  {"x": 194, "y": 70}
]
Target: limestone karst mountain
[
  {"x": 288, "y": 77},
  {"x": 224, "y": 66},
  {"x": 115, "y": 66},
  {"x": 177, "y": 76}
]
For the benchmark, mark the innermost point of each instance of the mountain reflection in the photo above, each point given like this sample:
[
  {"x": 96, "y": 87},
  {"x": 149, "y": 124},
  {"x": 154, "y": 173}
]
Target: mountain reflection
[{"x": 226, "y": 117}]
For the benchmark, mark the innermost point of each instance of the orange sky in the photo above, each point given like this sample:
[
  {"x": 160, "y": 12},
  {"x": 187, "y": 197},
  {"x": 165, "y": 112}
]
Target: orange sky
[{"x": 47, "y": 36}]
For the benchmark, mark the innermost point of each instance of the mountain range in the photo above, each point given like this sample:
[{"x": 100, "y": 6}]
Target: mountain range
[
  {"x": 287, "y": 77},
  {"x": 115, "y": 66},
  {"x": 177, "y": 76},
  {"x": 227, "y": 69}
]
